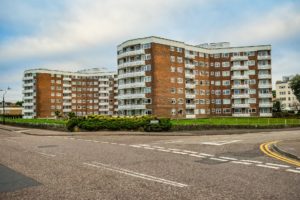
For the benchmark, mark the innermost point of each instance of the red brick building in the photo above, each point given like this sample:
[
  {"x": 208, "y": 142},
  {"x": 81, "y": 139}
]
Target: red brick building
[
  {"x": 84, "y": 92},
  {"x": 172, "y": 79}
]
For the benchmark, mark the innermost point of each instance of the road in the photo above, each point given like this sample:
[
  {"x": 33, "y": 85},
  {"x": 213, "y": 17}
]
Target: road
[{"x": 145, "y": 167}]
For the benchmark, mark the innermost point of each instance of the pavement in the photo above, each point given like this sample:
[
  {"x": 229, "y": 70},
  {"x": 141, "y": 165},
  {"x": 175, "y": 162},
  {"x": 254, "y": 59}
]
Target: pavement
[
  {"x": 145, "y": 167},
  {"x": 289, "y": 148}
]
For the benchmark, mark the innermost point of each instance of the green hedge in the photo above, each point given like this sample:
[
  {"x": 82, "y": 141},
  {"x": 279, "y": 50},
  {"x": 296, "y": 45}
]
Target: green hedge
[{"x": 100, "y": 122}]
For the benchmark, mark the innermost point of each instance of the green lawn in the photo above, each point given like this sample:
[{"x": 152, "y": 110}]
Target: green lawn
[
  {"x": 36, "y": 121},
  {"x": 236, "y": 121}
]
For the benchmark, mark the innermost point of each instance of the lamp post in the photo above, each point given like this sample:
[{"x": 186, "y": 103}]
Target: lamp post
[{"x": 3, "y": 103}]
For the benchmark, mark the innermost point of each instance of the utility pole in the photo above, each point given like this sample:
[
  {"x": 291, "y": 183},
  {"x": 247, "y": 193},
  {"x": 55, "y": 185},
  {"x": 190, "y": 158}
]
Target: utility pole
[{"x": 3, "y": 103}]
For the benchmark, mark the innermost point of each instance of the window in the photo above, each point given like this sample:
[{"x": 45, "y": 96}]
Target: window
[
  {"x": 226, "y": 110},
  {"x": 218, "y": 83},
  {"x": 172, "y": 48},
  {"x": 147, "y": 46},
  {"x": 218, "y": 101},
  {"x": 252, "y": 91},
  {"x": 148, "y": 79},
  {"x": 218, "y": 92},
  {"x": 225, "y": 73},
  {"x": 226, "y": 101},
  {"x": 179, "y": 50},
  {"x": 179, "y": 69},
  {"x": 148, "y": 57},
  {"x": 180, "y": 101},
  {"x": 147, "y": 90},
  {"x": 173, "y": 101},
  {"x": 217, "y": 55},
  {"x": 173, "y": 69},
  {"x": 252, "y": 100},
  {"x": 226, "y": 92},
  {"x": 217, "y": 64},
  {"x": 218, "y": 111},
  {"x": 179, "y": 59},
  {"x": 212, "y": 64},
  {"x": 179, "y": 80},
  {"x": 180, "y": 90},
  {"x": 58, "y": 81},
  {"x": 225, "y": 55},
  {"x": 147, "y": 101},
  {"x": 251, "y": 62},
  {"x": 173, "y": 111},
  {"x": 217, "y": 74},
  {"x": 172, "y": 58},
  {"x": 146, "y": 68},
  {"x": 172, "y": 80},
  {"x": 251, "y": 72},
  {"x": 252, "y": 82},
  {"x": 173, "y": 90}
]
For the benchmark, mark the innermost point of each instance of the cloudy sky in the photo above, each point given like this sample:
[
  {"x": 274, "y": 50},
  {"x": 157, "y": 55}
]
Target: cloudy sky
[{"x": 78, "y": 34}]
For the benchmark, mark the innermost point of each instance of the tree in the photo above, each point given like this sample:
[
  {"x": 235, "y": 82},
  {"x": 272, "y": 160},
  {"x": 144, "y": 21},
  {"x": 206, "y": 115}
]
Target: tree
[
  {"x": 274, "y": 93},
  {"x": 295, "y": 86},
  {"x": 57, "y": 114},
  {"x": 19, "y": 103},
  {"x": 71, "y": 115},
  {"x": 277, "y": 106}
]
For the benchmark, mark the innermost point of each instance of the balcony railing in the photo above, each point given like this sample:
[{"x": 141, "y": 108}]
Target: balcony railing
[
  {"x": 264, "y": 66},
  {"x": 131, "y": 96},
  {"x": 264, "y": 86},
  {"x": 240, "y": 105},
  {"x": 190, "y": 106},
  {"x": 242, "y": 86},
  {"x": 263, "y": 57},
  {"x": 239, "y": 77},
  {"x": 132, "y": 107},
  {"x": 131, "y": 53},
  {"x": 190, "y": 85},
  {"x": 190, "y": 96},
  {"x": 132, "y": 85},
  {"x": 236, "y": 58},
  {"x": 131, "y": 64},
  {"x": 264, "y": 76},
  {"x": 189, "y": 76},
  {"x": 131, "y": 74},
  {"x": 265, "y": 95},
  {"x": 239, "y": 67},
  {"x": 240, "y": 96},
  {"x": 190, "y": 56},
  {"x": 269, "y": 104},
  {"x": 189, "y": 66}
]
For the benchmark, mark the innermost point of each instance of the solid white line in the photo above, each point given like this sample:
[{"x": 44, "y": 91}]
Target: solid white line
[
  {"x": 190, "y": 151},
  {"x": 227, "y": 158},
  {"x": 198, "y": 156},
  {"x": 178, "y": 152},
  {"x": 218, "y": 159},
  {"x": 267, "y": 166},
  {"x": 277, "y": 165},
  {"x": 164, "y": 150},
  {"x": 135, "y": 174},
  {"x": 239, "y": 162},
  {"x": 46, "y": 154},
  {"x": 205, "y": 154},
  {"x": 292, "y": 170},
  {"x": 252, "y": 161}
]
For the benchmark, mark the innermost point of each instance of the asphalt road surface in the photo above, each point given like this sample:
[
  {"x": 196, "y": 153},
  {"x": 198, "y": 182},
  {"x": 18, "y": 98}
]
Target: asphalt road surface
[{"x": 145, "y": 167}]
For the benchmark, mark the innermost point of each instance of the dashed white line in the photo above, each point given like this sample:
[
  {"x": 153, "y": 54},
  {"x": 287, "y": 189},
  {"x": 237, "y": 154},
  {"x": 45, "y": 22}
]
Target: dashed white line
[
  {"x": 136, "y": 174},
  {"x": 205, "y": 154},
  {"x": 243, "y": 163},
  {"x": 136, "y": 146},
  {"x": 277, "y": 165},
  {"x": 46, "y": 154},
  {"x": 113, "y": 143},
  {"x": 149, "y": 148},
  {"x": 164, "y": 150},
  {"x": 267, "y": 166},
  {"x": 198, "y": 156},
  {"x": 219, "y": 159},
  {"x": 293, "y": 170},
  {"x": 187, "y": 151},
  {"x": 122, "y": 144},
  {"x": 252, "y": 161},
  {"x": 158, "y": 147},
  {"x": 178, "y": 152},
  {"x": 105, "y": 142},
  {"x": 227, "y": 158},
  {"x": 174, "y": 149}
]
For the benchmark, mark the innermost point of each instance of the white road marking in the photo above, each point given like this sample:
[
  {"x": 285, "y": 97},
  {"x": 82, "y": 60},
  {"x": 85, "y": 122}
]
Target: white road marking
[
  {"x": 113, "y": 143},
  {"x": 46, "y": 154},
  {"x": 190, "y": 151},
  {"x": 122, "y": 144},
  {"x": 198, "y": 156},
  {"x": 19, "y": 131},
  {"x": 293, "y": 170},
  {"x": 277, "y": 165},
  {"x": 252, "y": 161},
  {"x": 174, "y": 149},
  {"x": 239, "y": 162},
  {"x": 219, "y": 143},
  {"x": 149, "y": 148},
  {"x": 205, "y": 154},
  {"x": 136, "y": 146},
  {"x": 267, "y": 166},
  {"x": 298, "y": 168},
  {"x": 158, "y": 147},
  {"x": 136, "y": 174},
  {"x": 178, "y": 152},
  {"x": 218, "y": 159},
  {"x": 227, "y": 158},
  {"x": 105, "y": 142},
  {"x": 164, "y": 150}
]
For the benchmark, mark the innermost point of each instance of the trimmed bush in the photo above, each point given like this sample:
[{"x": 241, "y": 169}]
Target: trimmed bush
[{"x": 100, "y": 122}]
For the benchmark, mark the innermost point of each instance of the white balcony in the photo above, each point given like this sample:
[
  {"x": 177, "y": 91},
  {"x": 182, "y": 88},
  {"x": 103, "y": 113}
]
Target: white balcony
[
  {"x": 132, "y": 107},
  {"x": 242, "y": 86},
  {"x": 28, "y": 84},
  {"x": 189, "y": 66},
  {"x": 103, "y": 109},
  {"x": 264, "y": 86},
  {"x": 103, "y": 79},
  {"x": 67, "y": 79},
  {"x": 132, "y": 85},
  {"x": 28, "y": 91},
  {"x": 190, "y": 96},
  {"x": 264, "y": 76},
  {"x": 265, "y": 95},
  {"x": 190, "y": 106},
  {"x": 239, "y": 77},
  {"x": 240, "y": 105},
  {"x": 267, "y": 104},
  {"x": 239, "y": 67},
  {"x": 27, "y": 97},
  {"x": 190, "y": 56},
  {"x": 265, "y": 114},
  {"x": 237, "y": 58},
  {"x": 28, "y": 104},
  {"x": 189, "y": 76},
  {"x": 67, "y": 91},
  {"x": 189, "y": 116},
  {"x": 67, "y": 110},
  {"x": 103, "y": 103},
  {"x": 131, "y": 96},
  {"x": 103, "y": 85},
  {"x": 67, "y": 85},
  {"x": 131, "y": 74},
  {"x": 26, "y": 110},
  {"x": 241, "y": 114},
  {"x": 190, "y": 85},
  {"x": 67, "y": 103},
  {"x": 67, "y": 97},
  {"x": 103, "y": 91},
  {"x": 131, "y": 64},
  {"x": 28, "y": 78},
  {"x": 104, "y": 97},
  {"x": 265, "y": 57},
  {"x": 264, "y": 66},
  {"x": 240, "y": 96},
  {"x": 131, "y": 53}
]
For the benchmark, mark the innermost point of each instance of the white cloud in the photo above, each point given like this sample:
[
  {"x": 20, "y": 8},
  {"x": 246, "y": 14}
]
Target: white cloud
[{"x": 280, "y": 23}]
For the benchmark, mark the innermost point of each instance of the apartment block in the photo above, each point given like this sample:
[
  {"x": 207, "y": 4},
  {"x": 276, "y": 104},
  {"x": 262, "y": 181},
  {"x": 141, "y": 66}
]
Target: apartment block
[
  {"x": 285, "y": 94},
  {"x": 173, "y": 79},
  {"x": 83, "y": 92}
]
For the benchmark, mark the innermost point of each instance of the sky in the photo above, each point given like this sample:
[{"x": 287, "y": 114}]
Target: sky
[{"x": 80, "y": 34}]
